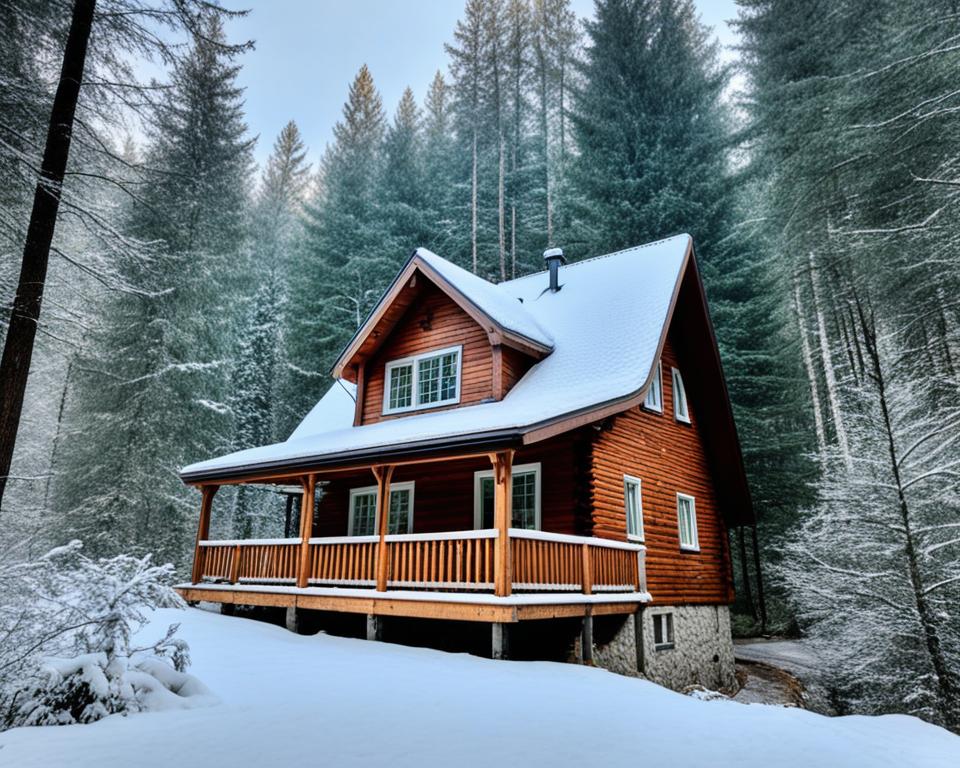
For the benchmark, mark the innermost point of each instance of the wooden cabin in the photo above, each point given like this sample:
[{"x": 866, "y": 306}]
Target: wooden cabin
[{"x": 555, "y": 447}]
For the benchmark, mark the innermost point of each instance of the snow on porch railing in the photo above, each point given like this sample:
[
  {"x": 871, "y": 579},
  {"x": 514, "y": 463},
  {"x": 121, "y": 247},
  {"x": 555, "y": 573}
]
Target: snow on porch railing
[{"x": 453, "y": 560}]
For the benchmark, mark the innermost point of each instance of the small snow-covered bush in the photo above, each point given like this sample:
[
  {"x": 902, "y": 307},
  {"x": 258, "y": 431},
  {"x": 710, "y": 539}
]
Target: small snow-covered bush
[{"x": 66, "y": 628}]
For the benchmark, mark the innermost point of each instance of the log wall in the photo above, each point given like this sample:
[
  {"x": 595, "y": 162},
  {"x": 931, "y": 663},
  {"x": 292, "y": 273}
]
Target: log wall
[{"x": 669, "y": 457}]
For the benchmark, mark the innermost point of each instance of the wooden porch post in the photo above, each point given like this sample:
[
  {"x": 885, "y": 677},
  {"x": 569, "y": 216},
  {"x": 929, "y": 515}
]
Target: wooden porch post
[
  {"x": 502, "y": 516},
  {"x": 203, "y": 529},
  {"x": 306, "y": 528},
  {"x": 383, "y": 475}
]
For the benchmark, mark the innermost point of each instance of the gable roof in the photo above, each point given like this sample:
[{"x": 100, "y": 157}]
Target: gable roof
[
  {"x": 497, "y": 312},
  {"x": 607, "y": 325}
]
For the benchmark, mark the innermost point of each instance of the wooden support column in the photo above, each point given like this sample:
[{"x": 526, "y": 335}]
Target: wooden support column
[
  {"x": 383, "y": 475},
  {"x": 502, "y": 516},
  {"x": 586, "y": 638},
  {"x": 497, "y": 372},
  {"x": 203, "y": 529},
  {"x": 587, "y": 565},
  {"x": 306, "y": 528}
]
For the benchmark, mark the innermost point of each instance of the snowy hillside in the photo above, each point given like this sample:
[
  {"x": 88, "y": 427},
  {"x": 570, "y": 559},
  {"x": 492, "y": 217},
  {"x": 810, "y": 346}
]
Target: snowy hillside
[{"x": 284, "y": 698}]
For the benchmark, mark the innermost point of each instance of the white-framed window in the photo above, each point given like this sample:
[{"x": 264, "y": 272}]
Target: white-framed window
[
  {"x": 681, "y": 411},
  {"x": 363, "y": 510},
  {"x": 662, "y": 631},
  {"x": 654, "y": 399},
  {"x": 427, "y": 380},
  {"x": 633, "y": 505},
  {"x": 526, "y": 497},
  {"x": 687, "y": 522}
]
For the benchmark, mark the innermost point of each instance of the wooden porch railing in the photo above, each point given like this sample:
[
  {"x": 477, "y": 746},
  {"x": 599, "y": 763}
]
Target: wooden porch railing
[{"x": 449, "y": 561}]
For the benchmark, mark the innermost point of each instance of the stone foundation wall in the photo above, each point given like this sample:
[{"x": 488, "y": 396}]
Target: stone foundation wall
[{"x": 702, "y": 652}]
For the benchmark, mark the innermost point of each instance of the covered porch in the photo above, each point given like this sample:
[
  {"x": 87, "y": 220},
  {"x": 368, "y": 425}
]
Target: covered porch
[{"x": 496, "y": 573}]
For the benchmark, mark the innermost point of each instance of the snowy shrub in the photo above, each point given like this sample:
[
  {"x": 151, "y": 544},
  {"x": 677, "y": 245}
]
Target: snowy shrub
[{"x": 66, "y": 628}]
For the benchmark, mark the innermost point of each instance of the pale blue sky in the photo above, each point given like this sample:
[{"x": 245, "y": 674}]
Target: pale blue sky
[{"x": 308, "y": 51}]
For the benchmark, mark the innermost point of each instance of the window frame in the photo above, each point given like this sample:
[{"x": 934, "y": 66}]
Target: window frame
[
  {"x": 668, "y": 636},
  {"x": 518, "y": 469},
  {"x": 677, "y": 379},
  {"x": 655, "y": 386},
  {"x": 372, "y": 489},
  {"x": 695, "y": 546},
  {"x": 636, "y": 481},
  {"x": 413, "y": 361}
]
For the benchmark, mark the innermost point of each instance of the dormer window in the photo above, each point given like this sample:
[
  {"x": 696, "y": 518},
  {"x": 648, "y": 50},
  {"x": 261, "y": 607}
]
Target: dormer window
[
  {"x": 428, "y": 380},
  {"x": 654, "y": 399},
  {"x": 680, "y": 410}
]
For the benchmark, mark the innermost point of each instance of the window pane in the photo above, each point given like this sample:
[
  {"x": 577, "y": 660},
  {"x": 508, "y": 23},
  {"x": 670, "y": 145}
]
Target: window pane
[
  {"x": 654, "y": 397},
  {"x": 448, "y": 376},
  {"x": 364, "y": 514},
  {"x": 679, "y": 397},
  {"x": 525, "y": 500},
  {"x": 631, "y": 493},
  {"x": 399, "y": 519},
  {"x": 429, "y": 377},
  {"x": 486, "y": 502},
  {"x": 401, "y": 386}
]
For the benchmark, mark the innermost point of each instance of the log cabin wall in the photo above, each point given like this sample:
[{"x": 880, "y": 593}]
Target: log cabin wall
[
  {"x": 669, "y": 457},
  {"x": 443, "y": 492},
  {"x": 433, "y": 321}
]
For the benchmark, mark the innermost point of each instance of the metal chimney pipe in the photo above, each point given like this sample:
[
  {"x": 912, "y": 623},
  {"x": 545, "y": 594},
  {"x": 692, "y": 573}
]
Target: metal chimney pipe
[{"x": 554, "y": 258}]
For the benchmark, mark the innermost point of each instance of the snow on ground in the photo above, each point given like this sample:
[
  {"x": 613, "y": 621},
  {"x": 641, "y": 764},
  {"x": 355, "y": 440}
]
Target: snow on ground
[{"x": 286, "y": 699}]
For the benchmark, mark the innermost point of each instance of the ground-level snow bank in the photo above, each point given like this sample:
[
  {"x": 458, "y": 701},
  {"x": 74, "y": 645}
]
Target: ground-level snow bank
[{"x": 290, "y": 700}]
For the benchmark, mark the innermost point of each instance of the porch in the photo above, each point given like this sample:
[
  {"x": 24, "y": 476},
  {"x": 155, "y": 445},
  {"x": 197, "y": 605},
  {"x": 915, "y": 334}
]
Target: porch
[{"x": 499, "y": 574}]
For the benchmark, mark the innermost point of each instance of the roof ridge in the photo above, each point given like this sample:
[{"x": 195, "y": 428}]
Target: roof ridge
[{"x": 598, "y": 257}]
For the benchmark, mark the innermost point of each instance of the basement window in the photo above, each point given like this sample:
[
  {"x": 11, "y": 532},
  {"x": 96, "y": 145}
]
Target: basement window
[
  {"x": 687, "y": 523},
  {"x": 654, "y": 398},
  {"x": 662, "y": 631},
  {"x": 633, "y": 506},
  {"x": 363, "y": 510},
  {"x": 680, "y": 409},
  {"x": 423, "y": 381}
]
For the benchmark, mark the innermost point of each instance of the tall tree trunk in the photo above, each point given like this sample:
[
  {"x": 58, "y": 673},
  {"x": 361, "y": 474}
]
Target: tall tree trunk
[
  {"x": 745, "y": 573},
  {"x": 501, "y": 210},
  {"x": 808, "y": 366},
  {"x": 829, "y": 375},
  {"x": 25, "y": 314},
  {"x": 473, "y": 203},
  {"x": 947, "y": 693}
]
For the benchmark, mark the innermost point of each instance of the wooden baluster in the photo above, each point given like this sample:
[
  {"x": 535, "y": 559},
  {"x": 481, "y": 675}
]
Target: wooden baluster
[{"x": 306, "y": 529}]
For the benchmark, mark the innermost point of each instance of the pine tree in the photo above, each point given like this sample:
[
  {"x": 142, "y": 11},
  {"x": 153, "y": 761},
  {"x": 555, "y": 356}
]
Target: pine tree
[
  {"x": 153, "y": 389},
  {"x": 403, "y": 194},
  {"x": 344, "y": 265},
  {"x": 650, "y": 127},
  {"x": 439, "y": 167},
  {"x": 259, "y": 379}
]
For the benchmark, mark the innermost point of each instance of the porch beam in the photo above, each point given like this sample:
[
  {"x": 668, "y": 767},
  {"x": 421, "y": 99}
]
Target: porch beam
[
  {"x": 502, "y": 515},
  {"x": 309, "y": 483},
  {"x": 383, "y": 475},
  {"x": 203, "y": 529}
]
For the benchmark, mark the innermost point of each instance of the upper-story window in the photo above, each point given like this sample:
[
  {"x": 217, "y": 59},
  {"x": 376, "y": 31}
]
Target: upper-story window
[
  {"x": 687, "y": 522},
  {"x": 423, "y": 381},
  {"x": 654, "y": 399},
  {"x": 681, "y": 410},
  {"x": 633, "y": 506}
]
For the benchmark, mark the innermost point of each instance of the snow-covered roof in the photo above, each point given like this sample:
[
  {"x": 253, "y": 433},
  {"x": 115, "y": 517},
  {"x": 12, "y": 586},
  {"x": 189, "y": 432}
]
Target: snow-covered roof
[
  {"x": 492, "y": 299},
  {"x": 605, "y": 326}
]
